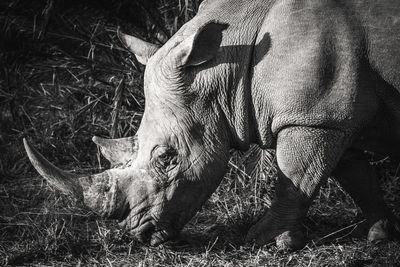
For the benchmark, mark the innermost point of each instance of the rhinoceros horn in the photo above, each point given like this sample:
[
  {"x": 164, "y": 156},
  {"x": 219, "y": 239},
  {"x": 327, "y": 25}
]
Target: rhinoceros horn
[
  {"x": 117, "y": 151},
  {"x": 142, "y": 49},
  {"x": 100, "y": 192},
  {"x": 66, "y": 182}
]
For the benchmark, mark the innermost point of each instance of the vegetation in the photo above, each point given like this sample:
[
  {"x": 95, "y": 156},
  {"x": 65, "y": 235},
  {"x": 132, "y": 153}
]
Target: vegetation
[{"x": 65, "y": 77}]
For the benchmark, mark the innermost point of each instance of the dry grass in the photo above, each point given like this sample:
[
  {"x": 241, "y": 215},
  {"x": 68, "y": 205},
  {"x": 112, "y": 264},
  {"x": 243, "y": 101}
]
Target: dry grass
[
  {"x": 64, "y": 78},
  {"x": 38, "y": 226}
]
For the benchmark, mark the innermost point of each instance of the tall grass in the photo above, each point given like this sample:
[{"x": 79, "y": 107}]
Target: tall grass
[{"x": 63, "y": 67}]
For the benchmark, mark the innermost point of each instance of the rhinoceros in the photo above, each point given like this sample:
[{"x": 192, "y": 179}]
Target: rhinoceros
[{"x": 319, "y": 81}]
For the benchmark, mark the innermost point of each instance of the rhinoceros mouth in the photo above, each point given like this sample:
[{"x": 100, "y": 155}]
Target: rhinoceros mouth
[
  {"x": 149, "y": 233},
  {"x": 134, "y": 220},
  {"x": 146, "y": 229}
]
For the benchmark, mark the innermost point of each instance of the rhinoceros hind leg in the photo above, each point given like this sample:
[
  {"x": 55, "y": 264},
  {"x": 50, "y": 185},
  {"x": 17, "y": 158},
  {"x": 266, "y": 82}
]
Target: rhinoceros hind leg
[
  {"x": 359, "y": 179},
  {"x": 306, "y": 156}
]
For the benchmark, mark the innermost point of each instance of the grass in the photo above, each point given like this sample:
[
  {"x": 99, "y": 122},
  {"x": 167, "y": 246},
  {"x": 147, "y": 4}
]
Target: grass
[
  {"x": 64, "y": 78},
  {"x": 41, "y": 227}
]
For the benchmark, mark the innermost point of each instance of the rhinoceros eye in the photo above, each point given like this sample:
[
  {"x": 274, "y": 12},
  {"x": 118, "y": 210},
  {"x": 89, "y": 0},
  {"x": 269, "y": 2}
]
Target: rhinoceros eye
[{"x": 165, "y": 157}]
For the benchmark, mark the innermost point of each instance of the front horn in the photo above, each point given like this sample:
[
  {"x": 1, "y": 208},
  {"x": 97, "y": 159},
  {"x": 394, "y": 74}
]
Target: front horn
[{"x": 66, "y": 182}]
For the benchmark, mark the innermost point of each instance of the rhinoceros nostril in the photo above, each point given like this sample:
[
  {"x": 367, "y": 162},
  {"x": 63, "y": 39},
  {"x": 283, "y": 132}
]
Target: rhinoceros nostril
[{"x": 124, "y": 214}]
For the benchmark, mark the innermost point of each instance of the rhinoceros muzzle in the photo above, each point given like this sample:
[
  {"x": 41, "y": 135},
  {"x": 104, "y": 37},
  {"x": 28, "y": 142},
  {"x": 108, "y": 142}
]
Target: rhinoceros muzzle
[
  {"x": 103, "y": 193},
  {"x": 148, "y": 233},
  {"x": 146, "y": 229},
  {"x": 142, "y": 224}
]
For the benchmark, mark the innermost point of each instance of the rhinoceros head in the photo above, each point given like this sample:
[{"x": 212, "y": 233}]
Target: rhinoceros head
[{"x": 160, "y": 178}]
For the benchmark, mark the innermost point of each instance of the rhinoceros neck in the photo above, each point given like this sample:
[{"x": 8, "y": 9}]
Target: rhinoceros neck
[{"x": 233, "y": 66}]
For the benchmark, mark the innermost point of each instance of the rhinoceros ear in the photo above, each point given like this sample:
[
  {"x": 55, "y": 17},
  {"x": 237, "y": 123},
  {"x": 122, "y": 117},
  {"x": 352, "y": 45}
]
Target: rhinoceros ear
[
  {"x": 201, "y": 46},
  {"x": 142, "y": 49},
  {"x": 117, "y": 151}
]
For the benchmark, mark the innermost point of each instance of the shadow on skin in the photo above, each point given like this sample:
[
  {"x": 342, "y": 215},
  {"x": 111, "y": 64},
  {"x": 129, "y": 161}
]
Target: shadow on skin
[{"x": 264, "y": 45}]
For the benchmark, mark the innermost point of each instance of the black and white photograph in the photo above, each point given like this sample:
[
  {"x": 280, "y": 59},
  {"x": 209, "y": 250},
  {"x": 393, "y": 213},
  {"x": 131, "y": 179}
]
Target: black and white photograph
[{"x": 200, "y": 133}]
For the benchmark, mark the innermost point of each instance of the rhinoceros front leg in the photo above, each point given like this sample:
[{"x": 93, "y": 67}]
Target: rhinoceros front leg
[
  {"x": 306, "y": 156},
  {"x": 359, "y": 179}
]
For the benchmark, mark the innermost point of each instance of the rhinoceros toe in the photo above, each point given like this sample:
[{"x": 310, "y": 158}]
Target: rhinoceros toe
[
  {"x": 384, "y": 229},
  {"x": 291, "y": 240},
  {"x": 263, "y": 232}
]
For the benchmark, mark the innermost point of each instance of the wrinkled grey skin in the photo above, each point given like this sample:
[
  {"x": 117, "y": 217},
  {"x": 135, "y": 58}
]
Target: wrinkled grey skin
[{"x": 319, "y": 81}]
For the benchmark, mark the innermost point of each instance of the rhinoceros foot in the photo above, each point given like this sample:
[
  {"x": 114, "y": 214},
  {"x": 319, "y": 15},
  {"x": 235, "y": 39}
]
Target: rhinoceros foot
[
  {"x": 287, "y": 237},
  {"x": 384, "y": 229}
]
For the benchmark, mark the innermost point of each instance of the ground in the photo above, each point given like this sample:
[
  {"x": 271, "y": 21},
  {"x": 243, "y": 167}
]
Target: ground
[{"x": 40, "y": 227}]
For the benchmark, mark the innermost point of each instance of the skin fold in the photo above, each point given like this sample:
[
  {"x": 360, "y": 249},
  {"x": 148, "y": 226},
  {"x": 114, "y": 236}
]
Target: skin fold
[{"x": 318, "y": 81}]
